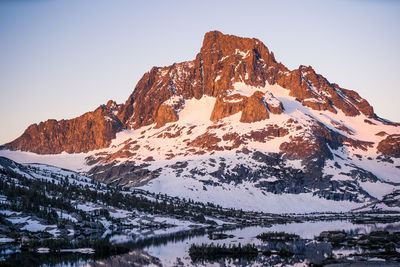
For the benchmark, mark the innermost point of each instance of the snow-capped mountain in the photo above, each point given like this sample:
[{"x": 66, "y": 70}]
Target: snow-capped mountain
[{"x": 234, "y": 127}]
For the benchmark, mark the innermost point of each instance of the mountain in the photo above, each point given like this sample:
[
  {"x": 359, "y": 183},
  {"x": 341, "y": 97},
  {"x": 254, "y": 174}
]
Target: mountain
[{"x": 235, "y": 127}]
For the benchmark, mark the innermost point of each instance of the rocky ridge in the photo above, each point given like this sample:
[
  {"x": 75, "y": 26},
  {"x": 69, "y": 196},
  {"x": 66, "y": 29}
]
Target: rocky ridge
[{"x": 92, "y": 130}]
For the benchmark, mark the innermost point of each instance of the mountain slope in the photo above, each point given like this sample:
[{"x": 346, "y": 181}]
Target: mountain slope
[{"x": 236, "y": 127}]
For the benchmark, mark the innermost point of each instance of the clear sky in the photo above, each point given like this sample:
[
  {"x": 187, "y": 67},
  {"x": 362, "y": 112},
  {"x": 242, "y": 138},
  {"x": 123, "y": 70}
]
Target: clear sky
[{"x": 61, "y": 58}]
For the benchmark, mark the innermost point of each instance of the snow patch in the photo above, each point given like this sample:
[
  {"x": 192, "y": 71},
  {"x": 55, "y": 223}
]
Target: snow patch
[{"x": 197, "y": 111}]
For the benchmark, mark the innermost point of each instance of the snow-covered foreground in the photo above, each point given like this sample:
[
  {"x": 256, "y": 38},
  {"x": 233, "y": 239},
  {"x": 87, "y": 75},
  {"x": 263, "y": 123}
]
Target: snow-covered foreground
[
  {"x": 86, "y": 212},
  {"x": 74, "y": 162},
  {"x": 247, "y": 197}
]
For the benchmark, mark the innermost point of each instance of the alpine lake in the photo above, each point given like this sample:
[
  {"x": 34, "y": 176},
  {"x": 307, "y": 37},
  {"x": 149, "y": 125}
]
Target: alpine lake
[{"x": 309, "y": 240}]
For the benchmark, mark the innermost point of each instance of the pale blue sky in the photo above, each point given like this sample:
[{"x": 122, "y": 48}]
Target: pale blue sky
[{"x": 59, "y": 58}]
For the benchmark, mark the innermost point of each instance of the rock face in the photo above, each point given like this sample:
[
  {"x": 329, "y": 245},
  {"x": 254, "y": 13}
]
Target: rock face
[
  {"x": 92, "y": 130},
  {"x": 390, "y": 146},
  {"x": 127, "y": 174},
  {"x": 255, "y": 109},
  {"x": 165, "y": 114},
  {"x": 227, "y": 106}
]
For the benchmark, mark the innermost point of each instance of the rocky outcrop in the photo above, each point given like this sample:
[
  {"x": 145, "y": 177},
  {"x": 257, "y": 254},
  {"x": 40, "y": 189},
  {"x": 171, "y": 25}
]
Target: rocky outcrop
[
  {"x": 314, "y": 91},
  {"x": 125, "y": 174},
  {"x": 227, "y": 106},
  {"x": 266, "y": 134},
  {"x": 92, "y": 130},
  {"x": 390, "y": 146},
  {"x": 155, "y": 87},
  {"x": 273, "y": 104},
  {"x": 206, "y": 141},
  {"x": 165, "y": 114},
  {"x": 255, "y": 109},
  {"x": 316, "y": 143}
]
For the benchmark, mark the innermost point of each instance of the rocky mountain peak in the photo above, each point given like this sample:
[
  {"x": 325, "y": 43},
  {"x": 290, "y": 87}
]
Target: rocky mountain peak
[
  {"x": 224, "y": 65},
  {"x": 217, "y": 43},
  {"x": 112, "y": 105}
]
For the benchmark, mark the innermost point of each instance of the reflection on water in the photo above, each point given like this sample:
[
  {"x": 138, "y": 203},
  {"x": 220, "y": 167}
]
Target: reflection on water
[
  {"x": 133, "y": 258},
  {"x": 172, "y": 250},
  {"x": 25, "y": 258},
  {"x": 308, "y": 249},
  {"x": 303, "y": 250}
]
